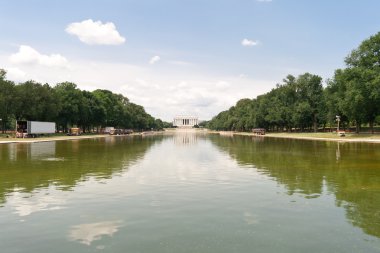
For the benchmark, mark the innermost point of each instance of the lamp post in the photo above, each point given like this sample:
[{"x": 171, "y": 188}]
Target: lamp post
[
  {"x": 338, "y": 120},
  {"x": 1, "y": 124}
]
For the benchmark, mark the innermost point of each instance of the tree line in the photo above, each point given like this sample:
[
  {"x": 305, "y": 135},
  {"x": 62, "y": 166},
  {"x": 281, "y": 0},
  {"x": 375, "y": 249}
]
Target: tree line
[
  {"x": 69, "y": 106},
  {"x": 303, "y": 104}
]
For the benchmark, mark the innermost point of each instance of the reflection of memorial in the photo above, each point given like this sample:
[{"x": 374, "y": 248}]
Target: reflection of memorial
[
  {"x": 187, "y": 136},
  {"x": 185, "y": 139}
]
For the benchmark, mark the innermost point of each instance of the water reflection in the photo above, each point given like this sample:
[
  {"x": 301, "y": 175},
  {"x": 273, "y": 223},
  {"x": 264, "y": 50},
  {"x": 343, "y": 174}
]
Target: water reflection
[
  {"x": 250, "y": 218},
  {"x": 26, "y": 167},
  {"x": 90, "y": 232},
  {"x": 179, "y": 192},
  {"x": 41, "y": 150},
  {"x": 31, "y": 151},
  {"x": 337, "y": 153},
  {"x": 350, "y": 171},
  {"x": 25, "y": 204},
  {"x": 186, "y": 137}
]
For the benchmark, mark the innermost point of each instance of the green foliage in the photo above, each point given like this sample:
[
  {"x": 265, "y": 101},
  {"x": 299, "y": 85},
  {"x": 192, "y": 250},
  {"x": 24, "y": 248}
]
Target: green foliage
[
  {"x": 295, "y": 103},
  {"x": 167, "y": 124},
  {"x": 302, "y": 103},
  {"x": 356, "y": 89},
  {"x": 7, "y": 102},
  {"x": 35, "y": 101},
  {"x": 69, "y": 106}
]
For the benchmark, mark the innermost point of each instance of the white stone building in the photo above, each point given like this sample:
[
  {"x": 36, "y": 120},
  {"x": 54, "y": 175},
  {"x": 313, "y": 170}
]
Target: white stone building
[{"x": 185, "y": 121}]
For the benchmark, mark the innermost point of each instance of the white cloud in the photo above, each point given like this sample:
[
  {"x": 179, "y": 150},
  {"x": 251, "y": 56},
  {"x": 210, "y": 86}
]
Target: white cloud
[
  {"x": 24, "y": 205},
  {"x": 180, "y": 63},
  {"x": 222, "y": 84},
  {"x": 164, "y": 92},
  {"x": 16, "y": 74},
  {"x": 154, "y": 59},
  {"x": 249, "y": 43},
  {"x": 28, "y": 55},
  {"x": 95, "y": 33},
  {"x": 87, "y": 233}
]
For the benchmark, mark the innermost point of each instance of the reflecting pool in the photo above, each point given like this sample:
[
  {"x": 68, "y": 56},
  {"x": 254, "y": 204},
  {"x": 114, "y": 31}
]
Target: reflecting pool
[{"x": 190, "y": 192}]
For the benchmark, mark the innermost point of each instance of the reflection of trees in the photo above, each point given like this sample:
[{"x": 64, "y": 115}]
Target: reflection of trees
[
  {"x": 288, "y": 163},
  {"x": 305, "y": 166},
  {"x": 70, "y": 163}
]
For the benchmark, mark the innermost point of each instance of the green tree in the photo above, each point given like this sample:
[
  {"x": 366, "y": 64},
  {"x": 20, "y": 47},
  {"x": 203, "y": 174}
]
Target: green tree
[
  {"x": 114, "y": 105},
  {"x": 70, "y": 98},
  {"x": 91, "y": 110},
  {"x": 7, "y": 100},
  {"x": 310, "y": 99},
  {"x": 36, "y": 102},
  {"x": 364, "y": 72}
]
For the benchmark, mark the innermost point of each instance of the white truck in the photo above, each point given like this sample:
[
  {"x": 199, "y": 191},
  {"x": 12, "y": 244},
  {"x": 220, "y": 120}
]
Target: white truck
[
  {"x": 34, "y": 128},
  {"x": 109, "y": 130}
]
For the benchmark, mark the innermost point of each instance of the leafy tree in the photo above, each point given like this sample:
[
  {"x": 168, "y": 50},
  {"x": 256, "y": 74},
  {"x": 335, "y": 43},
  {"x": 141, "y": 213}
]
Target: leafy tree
[
  {"x": 114, "y": 107},
  {"x": 7, "y": 100},
  {"x": 356, "y": 89},
  {"x": 36, "y": 102},
  {"x": 91, "y": 110},
  {"x": 364, "y": 67},
  {"x": 71, "y": 99},
  {"x": 310, "y": 96}
]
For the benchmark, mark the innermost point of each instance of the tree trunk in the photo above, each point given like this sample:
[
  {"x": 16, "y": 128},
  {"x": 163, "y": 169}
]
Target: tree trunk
[
  {"x": 371, "y": 126},
  {"x": 357, "y": 127}
]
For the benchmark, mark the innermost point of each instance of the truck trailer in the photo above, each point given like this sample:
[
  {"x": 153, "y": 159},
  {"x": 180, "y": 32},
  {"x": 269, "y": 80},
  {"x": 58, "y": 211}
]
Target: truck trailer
[{"x": 34, "y": 128}]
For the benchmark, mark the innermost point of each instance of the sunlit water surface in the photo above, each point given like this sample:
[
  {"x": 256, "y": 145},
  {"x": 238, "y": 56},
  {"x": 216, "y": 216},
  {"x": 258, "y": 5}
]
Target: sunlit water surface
[{"x": 189, "y": 192}]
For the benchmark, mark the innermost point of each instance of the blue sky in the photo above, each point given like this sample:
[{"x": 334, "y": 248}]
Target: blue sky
[{"x": 180, "y": 57}]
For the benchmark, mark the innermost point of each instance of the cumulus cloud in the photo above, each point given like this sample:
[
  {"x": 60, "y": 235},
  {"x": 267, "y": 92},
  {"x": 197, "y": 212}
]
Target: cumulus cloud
[
  {"x": 87, "y": 233},
  {"x": 154, "y": 59},
  {"x": 29, "y": 55},
  {"x": 180, "y": 63},
  {"x": 16, "y": 74},
  {"x": 249, "y": 43},
  {"x": 95, "y": 32},
  {"x": 222, "y": 84},
  {"x": 163, "y": 92}
]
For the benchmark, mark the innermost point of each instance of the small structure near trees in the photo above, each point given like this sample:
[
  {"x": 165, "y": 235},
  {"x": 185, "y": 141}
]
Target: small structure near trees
[{"x": 258, "y": 131}]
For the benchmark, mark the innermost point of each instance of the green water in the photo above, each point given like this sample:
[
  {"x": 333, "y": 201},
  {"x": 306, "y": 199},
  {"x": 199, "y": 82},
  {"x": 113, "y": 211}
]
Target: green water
[{"x": 189, "y": 193}]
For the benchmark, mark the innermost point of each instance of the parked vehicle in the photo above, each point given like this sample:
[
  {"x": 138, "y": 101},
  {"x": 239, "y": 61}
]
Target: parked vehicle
[
  {"x": 258, "y": 131},
  {"x": 107, "y": 130},
  {"x": 74, "y": 131},
  {"x": 34, "y": 128},
  {"x": 120, "y": 131}
]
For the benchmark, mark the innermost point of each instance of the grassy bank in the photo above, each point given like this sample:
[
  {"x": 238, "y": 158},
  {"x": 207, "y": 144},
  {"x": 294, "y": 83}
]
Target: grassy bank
[
  {"x": 350, "y": 137},
  {"x": 61, "y": 137},
  {"x": 328, "y": 137}
]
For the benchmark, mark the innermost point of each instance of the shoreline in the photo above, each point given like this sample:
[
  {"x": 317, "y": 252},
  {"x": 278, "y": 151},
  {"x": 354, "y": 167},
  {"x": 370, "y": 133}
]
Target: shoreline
[
  {"x": 368, "y": 138},
  {"x": 68, "y": 138},
  {"x": 356, "y": 138}
]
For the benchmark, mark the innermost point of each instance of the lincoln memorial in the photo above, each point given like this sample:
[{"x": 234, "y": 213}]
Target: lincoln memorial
[{"x": 185, "y": 121}]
